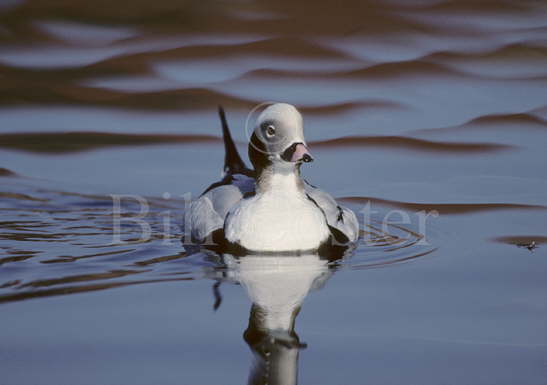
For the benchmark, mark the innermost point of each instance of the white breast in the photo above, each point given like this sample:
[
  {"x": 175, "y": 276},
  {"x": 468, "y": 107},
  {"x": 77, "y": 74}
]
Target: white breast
[{"x": 281, "y": 219}]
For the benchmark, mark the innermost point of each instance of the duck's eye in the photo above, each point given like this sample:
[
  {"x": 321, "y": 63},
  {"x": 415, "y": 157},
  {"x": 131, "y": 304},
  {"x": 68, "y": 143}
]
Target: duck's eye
[{"x": 270, "y": 131}]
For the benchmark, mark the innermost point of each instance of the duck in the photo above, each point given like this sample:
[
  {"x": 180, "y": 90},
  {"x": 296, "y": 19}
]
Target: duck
[{"x": 270, "y": 208}]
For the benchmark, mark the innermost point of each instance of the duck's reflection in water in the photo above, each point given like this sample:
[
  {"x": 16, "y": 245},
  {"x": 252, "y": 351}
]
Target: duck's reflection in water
[{"x": 277, "y": 286}]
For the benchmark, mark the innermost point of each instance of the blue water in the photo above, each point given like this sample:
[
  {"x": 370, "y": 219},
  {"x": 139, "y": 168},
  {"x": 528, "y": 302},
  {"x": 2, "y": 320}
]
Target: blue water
[{"x": 432, "y": 115}]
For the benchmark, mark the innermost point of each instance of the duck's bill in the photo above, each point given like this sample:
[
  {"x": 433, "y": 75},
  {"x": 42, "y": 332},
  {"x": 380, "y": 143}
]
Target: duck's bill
[{"x": 301, "y": 154}]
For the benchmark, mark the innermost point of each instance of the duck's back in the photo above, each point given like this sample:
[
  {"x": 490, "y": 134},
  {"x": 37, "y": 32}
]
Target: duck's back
[
  {"x": 342, "y": 221},
  {"x": 208, "y": 213}
]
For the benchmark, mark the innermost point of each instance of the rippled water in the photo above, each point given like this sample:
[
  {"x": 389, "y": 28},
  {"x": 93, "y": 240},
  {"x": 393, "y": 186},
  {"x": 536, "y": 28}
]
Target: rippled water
[
  {"x": 430, "y": 116},
  {"x": 65, "y": 242}
]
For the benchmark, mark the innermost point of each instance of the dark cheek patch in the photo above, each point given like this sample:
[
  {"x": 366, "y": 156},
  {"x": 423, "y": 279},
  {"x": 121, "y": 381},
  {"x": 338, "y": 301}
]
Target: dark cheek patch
[
  {"x": 258, "y": 154},
  {"x": 288, "y": 153}
]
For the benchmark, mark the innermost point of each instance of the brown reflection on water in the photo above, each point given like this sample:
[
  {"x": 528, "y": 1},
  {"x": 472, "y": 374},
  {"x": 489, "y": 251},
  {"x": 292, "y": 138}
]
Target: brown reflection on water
[
  {"x": 395, "y": 142},
  {"x": 523, "y": 240},
  {"x": 169, "y": 31},
  {"x": 448, "y": 208},
  {"x": 84, "y": 141}
]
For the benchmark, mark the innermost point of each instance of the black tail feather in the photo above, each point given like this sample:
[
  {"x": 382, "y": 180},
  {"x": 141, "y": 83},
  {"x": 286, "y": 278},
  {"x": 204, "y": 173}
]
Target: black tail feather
[{"x": 233, "y": 164}]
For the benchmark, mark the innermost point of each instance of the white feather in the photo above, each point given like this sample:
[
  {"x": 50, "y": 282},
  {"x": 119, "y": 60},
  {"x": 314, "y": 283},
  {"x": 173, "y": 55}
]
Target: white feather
[{"x": 280, "y": 218}]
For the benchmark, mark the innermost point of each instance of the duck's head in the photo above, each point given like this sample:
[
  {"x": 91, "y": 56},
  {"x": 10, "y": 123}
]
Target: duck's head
[{"x": 278, "y": 139}]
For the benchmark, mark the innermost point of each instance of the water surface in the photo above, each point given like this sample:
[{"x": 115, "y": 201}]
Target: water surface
[{"x": 430, "y": 116}]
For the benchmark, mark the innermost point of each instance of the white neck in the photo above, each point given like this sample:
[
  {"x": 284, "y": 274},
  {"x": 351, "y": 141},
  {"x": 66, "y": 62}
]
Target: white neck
[{"x": 280, "y": 180}]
